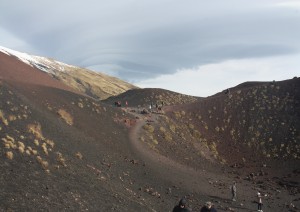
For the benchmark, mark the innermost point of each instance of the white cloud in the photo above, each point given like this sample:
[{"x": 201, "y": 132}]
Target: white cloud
[
  {"x": 209, "y": 79},
  {"x": 138, "y": 40}
]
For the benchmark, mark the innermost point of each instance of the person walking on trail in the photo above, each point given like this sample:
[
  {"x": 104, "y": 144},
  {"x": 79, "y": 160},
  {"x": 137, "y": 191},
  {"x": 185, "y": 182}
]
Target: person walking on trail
[
  {"x": 259, "y": 201},
  {"x": 208, "y": 207},
  {"x": 233, "y": 191},
  {"x": 181, "y": 207}
]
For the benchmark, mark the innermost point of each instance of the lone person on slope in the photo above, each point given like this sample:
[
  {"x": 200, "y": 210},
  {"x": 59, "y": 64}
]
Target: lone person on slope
[{"x": 233, "y": 191}]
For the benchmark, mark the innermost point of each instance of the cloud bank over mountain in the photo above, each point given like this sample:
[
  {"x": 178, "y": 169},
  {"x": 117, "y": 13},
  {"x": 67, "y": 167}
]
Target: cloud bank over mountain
[{"x": 154, "y": 43}]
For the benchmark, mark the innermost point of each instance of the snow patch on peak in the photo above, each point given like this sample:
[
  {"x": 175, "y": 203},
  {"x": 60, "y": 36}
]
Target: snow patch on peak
[
  {"x": 3, "y": 50},
  {"x": 25, "y": 58},
  {"x": 42, "y": 63}
]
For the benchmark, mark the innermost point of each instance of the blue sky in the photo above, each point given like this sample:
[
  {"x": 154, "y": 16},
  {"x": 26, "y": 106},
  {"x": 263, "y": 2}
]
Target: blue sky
[{"x": 195, "y": 47}]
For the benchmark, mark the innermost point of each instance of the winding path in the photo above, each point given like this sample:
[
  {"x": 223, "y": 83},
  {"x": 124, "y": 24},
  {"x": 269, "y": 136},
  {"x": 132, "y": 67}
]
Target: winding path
[{"x": 178, "y": 174}]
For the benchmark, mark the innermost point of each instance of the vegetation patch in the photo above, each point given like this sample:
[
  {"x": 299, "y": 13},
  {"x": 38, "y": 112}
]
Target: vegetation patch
[
  {"x": 35, "y": 129},
  {"x": 79, "y": 155},
  {"x": 148, "y": 127},
  {"x": 9, "y": 155},
  {"x": 3, "y": 119},
  {"x": 65, "y": 116}
]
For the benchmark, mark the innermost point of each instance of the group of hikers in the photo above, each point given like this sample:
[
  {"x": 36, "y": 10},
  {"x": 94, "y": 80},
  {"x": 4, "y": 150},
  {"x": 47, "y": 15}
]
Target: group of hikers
[
  {"x": 158, "y": 106},
  {"x": 209, "y": 207},
  {"x": 259, "y": 197},
  {"x": 118, "y": 104}
]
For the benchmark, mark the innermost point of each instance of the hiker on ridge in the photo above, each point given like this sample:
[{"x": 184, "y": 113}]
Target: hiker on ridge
[{"x": 181, "y": 207}]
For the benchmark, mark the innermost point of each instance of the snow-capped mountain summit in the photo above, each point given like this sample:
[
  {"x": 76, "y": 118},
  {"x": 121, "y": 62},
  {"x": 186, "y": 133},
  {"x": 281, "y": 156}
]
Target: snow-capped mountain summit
[
  {"x": 94, "y": 84},
  {"x": 42, "y": 63}
]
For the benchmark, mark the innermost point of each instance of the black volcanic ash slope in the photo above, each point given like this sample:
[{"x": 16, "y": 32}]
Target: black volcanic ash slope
[
  {"x": 62, "y": 151},
  {"x": 264, "y": 117}
]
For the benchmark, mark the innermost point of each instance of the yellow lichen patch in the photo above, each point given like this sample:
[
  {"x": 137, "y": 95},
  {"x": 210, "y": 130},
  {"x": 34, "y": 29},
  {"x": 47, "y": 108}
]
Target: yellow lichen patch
[
  {"x": 44, "y": 147},
  {"x": 61, "y": 159},
  {"x": 27, "y": 151},
  {"x": 167, "y": 136},
  {"x": 30, "y": 151},
  {"x": 12, "y": 118},
  {"x": 173, "y": 128},
  {"x": 162, "y": 129},
  {"x": 65, "y": 116},
  {"x": 21, "y": 144},
  {"x": 80, "y": 105},
  {"x": 35, "y": 129},
  {"x": 149, "y": 128},
  {"x": 43, "y": 163},
  {"x": 79, "y": 155},
  {"x": 191, "y": 126},
  {"x": 9, "y": 142},
  {"x": 9, "y": 155},
  {"x": 50, "y": 143},
  {"x": 213, "y": 148},
  {"x": 3, "y": 119},
  {"x": 6, "y": 145},
  {"x": 36, "y": 142},
  {"x": 10, "y": 138},
  {"x": 21, "y": 149}
]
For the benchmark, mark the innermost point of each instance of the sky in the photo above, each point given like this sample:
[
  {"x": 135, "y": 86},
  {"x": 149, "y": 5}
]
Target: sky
[{"x": 194, "y": 47}]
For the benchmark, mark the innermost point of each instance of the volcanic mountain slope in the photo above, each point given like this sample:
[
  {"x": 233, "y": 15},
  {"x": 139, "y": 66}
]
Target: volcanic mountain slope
[
  {"x": 63, "y": 151},
  {"x": 264, "y": 118},
  {"x": 96, "y": 85},
  {"x": 252, "y": 129}
]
